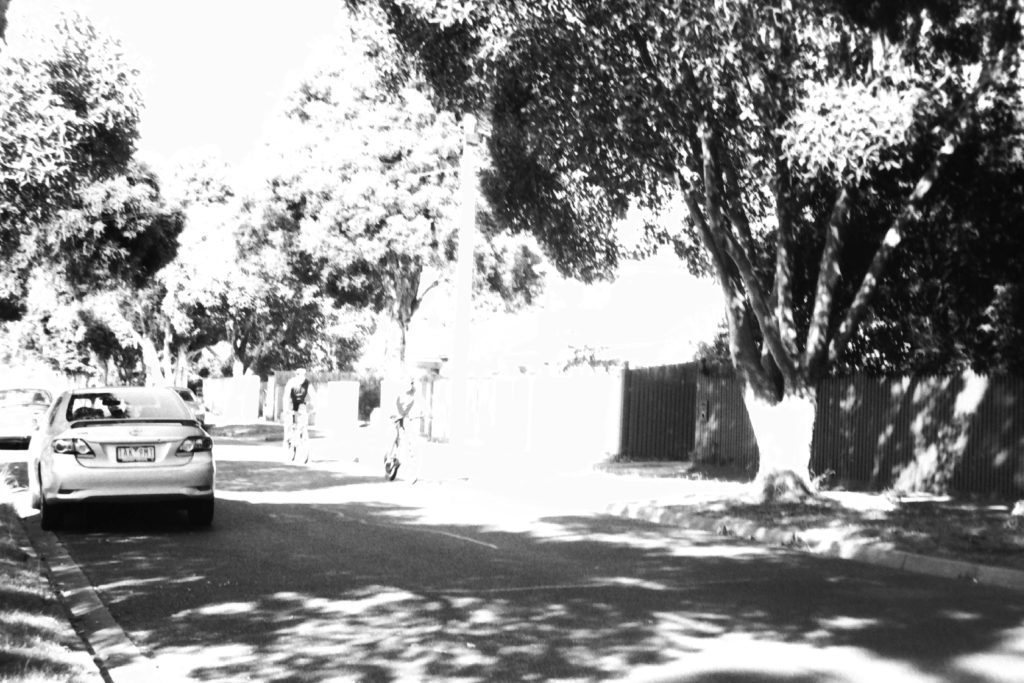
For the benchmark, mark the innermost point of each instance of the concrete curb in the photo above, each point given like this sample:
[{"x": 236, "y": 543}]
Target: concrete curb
[
  {"x": 828, "y": 545},
  {"x": 73, "y": 638},
  {"x": 116, "y": 656}
]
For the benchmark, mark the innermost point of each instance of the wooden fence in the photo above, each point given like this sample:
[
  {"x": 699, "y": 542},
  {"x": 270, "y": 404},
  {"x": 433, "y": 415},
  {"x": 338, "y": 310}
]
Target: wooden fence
[{"x": 962, "y": 433}]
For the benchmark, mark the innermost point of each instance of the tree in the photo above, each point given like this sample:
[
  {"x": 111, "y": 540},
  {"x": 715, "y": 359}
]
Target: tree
[
  {"x": 776, "y": 123},
  {"x": 366, "y": 194},
  {"x": 105, "y": 313},
  {"x": 269, "y": 303},
  {"x": 371, "y": 196},
  {"x": 195, "y": 286},
  {"x": 68, "y": 123},
  {"x": 4, "y": 4}
]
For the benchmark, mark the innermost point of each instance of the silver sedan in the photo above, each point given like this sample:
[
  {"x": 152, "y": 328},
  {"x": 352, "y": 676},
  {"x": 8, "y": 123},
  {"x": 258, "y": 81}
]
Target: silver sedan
[{"x": 120, "y": 444}]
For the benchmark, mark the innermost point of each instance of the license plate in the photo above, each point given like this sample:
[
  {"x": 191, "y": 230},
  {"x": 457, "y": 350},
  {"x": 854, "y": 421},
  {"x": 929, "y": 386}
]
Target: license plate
[{"x": 136, "y": 454}]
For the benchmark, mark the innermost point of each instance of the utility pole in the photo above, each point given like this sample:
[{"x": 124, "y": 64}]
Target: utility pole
[{"x": 465, "y": 266}]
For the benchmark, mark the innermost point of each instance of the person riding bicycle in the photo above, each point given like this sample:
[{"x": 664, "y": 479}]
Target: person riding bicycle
[
  {"x": 405, "y": 401},
  {"x": 297, "y": 404}
]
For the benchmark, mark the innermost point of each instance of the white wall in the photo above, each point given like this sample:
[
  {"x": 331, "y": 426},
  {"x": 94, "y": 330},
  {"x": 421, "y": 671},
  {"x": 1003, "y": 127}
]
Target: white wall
[{"x": 232, "y": 399}]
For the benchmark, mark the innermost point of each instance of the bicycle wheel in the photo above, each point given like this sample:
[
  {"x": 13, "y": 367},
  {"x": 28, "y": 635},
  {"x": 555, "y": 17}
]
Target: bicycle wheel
[
  {"x": 391, "y": 455},
  {"x": 302, "y": 450},
  {"x": 391, "y": 461},
  {"x": 289, "y": 441},
  {"x": 414, "y": 468}
]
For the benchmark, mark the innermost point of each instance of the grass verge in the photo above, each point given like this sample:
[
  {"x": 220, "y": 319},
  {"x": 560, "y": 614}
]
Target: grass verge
[{"x": 36, "y": 642}]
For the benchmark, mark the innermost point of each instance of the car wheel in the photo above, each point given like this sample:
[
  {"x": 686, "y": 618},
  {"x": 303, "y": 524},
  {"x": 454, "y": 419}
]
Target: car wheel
[
  {"x": 200, "y": 514},
  {"x": 50, "y": 516}
]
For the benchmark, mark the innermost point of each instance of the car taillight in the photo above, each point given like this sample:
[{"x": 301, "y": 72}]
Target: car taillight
[
  {"x": 76, "y": 447},
  {"x": 194, "y": 444}
]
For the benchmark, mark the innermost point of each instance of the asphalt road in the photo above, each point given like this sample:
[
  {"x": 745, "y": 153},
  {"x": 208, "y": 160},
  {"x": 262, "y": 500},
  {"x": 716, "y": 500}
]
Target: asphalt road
[{"x": 327, "y": 572}]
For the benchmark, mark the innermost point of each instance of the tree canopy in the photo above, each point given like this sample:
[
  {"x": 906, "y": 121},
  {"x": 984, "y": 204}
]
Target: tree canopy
[
  {"x": 4, "y": 4},
  {"x": 365, "y": 197},
  {"x": 84, "y": 227},
  {"x": 69, "y": 196}
]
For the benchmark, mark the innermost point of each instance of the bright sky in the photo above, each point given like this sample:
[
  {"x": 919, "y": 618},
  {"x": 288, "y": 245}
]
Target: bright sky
[{"x": 212, "y": 70}]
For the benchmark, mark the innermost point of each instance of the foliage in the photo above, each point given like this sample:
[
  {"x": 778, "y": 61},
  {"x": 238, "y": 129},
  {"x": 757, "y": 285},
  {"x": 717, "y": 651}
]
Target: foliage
[
  {"x": 200, "y": 177},
  {"x": 372, "y": 197},
  {"x": 120, "y": 229},
  {"x": 4, "y": 4},
  {"x": 76, "y": 315},
  {"x": 366, "y": 190},
  {"x": 951, "y": 298},
  {"x": 68, "y": 123},
  {"x": 273, "y": 313},
  {"x": 510, "y": 272}
]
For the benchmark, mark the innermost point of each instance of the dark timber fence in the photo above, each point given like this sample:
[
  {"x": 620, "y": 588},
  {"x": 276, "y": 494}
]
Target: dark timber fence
[
  {"x": 961, "y": 433},
  {"x": 658, "y": 405}
]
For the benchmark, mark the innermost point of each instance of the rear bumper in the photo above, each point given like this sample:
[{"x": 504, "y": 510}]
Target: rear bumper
[{"x": 73, "y": 483}]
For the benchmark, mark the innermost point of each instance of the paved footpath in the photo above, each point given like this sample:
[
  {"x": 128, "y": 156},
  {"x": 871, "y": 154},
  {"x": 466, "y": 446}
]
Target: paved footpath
[
  {"x": 665, "y": 498},
  {"x": 658, "y": 492}
]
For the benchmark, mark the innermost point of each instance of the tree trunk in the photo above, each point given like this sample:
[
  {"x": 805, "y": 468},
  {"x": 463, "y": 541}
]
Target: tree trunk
[
  {"x": 167, "y": 358},
  {"x": 403, "y": 331},
  {"x": 151, "y": 361},
  {"x": 783, "y": 430},
  {"x": 181, "y": 368}
]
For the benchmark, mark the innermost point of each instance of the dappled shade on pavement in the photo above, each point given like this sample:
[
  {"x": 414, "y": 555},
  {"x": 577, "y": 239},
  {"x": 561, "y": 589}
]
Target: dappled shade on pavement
[{"x": 334, "y": 575}]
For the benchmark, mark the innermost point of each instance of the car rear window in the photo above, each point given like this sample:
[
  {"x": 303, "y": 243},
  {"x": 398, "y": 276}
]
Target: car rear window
[{"x": 126, "y": 404}]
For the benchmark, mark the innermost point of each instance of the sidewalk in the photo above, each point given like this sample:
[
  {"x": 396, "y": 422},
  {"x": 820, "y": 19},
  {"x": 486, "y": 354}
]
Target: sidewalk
[
  {"x": 927, "y": 535},
  {"x": 844, "y": 527},
  {"x": 826, "y": 540}
]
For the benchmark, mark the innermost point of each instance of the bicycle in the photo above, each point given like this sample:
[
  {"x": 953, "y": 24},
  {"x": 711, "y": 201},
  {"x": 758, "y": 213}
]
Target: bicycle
[
  {"x": 400, "y": 446},
  {"x": 297, "y": 438}
]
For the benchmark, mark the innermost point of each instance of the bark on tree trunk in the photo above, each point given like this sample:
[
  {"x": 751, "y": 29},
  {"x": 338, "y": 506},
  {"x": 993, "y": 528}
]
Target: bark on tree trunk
[
  {"x": 181, "y": 368},
  {"x": 151, "y": 361},
  {"x": 402, "y": 341},
  {"x": 783, "y": 430}
]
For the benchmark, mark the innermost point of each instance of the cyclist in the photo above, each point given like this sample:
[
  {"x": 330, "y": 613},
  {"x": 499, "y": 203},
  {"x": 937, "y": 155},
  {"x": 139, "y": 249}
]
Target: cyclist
[
  {"x": 297, "y": 397},
  {"x": 404, "y": 404}
]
